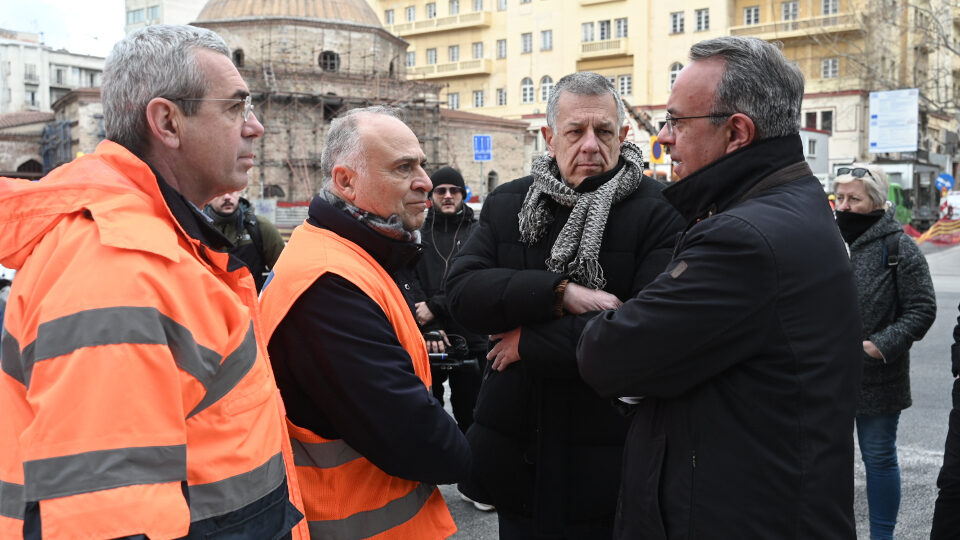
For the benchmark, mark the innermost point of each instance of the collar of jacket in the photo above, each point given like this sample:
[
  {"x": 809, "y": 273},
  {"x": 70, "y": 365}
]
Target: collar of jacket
[
  {"x": 722, "y": 183},
  {"x": 391, "y": 254},
  {"x": 438, "y": 217},
  {"x": 131, "y": 207},
  {"x": 886, "y": 225}
]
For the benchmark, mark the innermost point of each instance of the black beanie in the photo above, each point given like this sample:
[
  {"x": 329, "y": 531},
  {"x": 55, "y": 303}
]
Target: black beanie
[{"x": 448, "y": 175}]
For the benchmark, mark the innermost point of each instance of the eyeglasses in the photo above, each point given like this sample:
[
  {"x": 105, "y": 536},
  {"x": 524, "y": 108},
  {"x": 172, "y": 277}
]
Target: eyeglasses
[
  {"x": 247, "y": 103},
  {"x": 444, "y": 190},
  {"x": 671, "y": 121},
  {"x": 856, "y": 172}
]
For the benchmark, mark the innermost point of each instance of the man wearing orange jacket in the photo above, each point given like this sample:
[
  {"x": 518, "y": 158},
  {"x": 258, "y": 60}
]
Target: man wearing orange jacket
[
  {"x": 369, "y": 440},
  {"x": 137, "y": 398}
]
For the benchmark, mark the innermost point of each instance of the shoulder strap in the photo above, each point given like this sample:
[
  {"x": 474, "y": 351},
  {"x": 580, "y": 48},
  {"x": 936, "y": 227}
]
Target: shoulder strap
[
  {"x": 253, "y": 228},
  {"x": 891, "y": 251}
]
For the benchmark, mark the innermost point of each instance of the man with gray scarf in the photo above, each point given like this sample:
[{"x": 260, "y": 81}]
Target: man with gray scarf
[{"x": 583, "y": 233}]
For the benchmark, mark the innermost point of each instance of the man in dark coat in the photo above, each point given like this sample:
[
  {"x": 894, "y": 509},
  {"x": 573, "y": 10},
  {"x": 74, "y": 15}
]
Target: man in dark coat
[
  {"x": 448, "y": 225},
  {"x": 583, "y": 233},
  {"x": 742, "y": 360},
  {"x": 946, "y": 513},
  {"x": 255, "y": 240}
]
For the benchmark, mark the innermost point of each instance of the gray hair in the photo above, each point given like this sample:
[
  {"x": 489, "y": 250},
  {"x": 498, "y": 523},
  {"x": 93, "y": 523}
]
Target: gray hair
[
  {"x": 343, "y": 142},
  {"x": 875, "y": 184},
  {"x": 583, "y": 83},
  {"x": 757, "y": 81},
  {"x": 155, "y": 61}
]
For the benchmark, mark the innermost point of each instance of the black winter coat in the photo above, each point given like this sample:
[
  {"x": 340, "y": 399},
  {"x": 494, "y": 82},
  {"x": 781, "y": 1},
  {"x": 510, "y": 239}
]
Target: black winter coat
[
  {"x": 746, "y": 352},
  {"x": 544, "y": 444},
  {"x": 897, "y": 307}
]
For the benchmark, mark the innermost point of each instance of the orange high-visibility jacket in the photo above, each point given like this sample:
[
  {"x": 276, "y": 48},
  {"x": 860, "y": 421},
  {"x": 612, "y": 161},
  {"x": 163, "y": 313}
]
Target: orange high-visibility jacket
[
  {"x": 133, "y": 368},
  {"x": 344, "y": 494}
]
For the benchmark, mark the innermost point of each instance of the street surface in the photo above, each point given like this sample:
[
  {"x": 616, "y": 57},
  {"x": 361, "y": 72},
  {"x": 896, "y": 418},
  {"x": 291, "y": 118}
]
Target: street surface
[{"x": 923, "y": 427}]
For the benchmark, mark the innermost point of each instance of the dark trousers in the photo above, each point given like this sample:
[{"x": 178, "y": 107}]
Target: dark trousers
[
  {"x": 464, "y": 387},
  {"x": 946, "y": 513},
  {"x": 522, "y": 528}
]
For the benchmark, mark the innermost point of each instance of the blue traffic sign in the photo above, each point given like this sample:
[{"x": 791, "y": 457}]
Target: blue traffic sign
[
  {"x": 945, "y": 181},
  {"x": 482, "y": 148}
]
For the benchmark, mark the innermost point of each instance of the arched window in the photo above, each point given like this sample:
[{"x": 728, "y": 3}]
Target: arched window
[
  {"x": 674, "y": 71},
  {"x": 30, "y": 166},
  {"x": 492, "y": 180},
  {"x": 391, "y": 70},
  {"x": 238, "y": 58},
  {"x": 329, "y": 61},
  {"x": 546, "y": 86},
  {"x": 526, "y": 90}
]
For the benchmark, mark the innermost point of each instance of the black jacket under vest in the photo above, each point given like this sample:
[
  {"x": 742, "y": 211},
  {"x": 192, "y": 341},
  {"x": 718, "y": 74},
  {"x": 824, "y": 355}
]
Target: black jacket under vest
[
  {"x": 545, "y": 445},
  {"x": 746, "y": 356}
]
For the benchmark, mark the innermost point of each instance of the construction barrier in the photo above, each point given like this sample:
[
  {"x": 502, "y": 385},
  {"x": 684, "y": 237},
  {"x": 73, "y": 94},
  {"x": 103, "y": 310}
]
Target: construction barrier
[{"x": 945, "y": 232}]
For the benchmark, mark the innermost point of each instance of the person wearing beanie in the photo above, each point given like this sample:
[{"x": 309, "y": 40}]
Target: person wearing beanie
[{"x": 255, "y": 240}]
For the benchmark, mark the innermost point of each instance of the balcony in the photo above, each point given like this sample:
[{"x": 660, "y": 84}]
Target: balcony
[
  {"x": 477, "y": 19},
  {"x": 826, "y": 24},
  {"x": 605, "y": 48},
  {"x": 450, "y": 70}
]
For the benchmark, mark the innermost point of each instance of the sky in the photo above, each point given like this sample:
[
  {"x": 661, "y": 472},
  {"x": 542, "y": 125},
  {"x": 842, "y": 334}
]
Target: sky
[{"x": 80, "y": 26}]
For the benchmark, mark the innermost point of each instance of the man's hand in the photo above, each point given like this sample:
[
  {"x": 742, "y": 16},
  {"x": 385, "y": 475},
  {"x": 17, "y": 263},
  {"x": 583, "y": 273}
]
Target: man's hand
[
  {"x": 872, "y": 350},
  {"x": 506, "y": 351},
  {"x": 578, "y": 299},
  {"x": 424, "y": 315},
  {"x": 437, "y": 345}
]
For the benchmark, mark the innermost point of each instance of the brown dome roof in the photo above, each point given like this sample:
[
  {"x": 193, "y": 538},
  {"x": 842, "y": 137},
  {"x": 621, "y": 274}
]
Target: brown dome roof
[{"x": 350, "y": 11}]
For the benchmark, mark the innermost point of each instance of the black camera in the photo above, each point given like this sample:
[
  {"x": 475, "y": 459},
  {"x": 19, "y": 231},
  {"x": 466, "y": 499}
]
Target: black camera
[{"x": 456, "y": 355}]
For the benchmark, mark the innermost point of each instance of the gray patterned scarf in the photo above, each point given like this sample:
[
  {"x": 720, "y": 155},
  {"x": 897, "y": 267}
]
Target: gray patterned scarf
[
  {"x": 577, "y": 247},
  {"x": 391, "y": 227}
]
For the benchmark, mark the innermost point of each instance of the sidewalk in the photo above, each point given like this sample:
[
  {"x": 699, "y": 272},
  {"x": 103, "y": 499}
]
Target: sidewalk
[{"x": 944, "y": 265}]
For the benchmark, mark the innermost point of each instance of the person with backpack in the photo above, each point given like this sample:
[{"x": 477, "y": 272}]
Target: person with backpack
[
  {"x": 897, "y": 307},
  {"x": 256, "y": 241}
]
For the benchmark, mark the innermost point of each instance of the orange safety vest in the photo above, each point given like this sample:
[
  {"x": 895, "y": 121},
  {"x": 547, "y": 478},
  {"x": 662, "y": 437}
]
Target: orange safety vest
[
  {"x": 133, "y": 363},
  {"x": 345, "y": 495}
]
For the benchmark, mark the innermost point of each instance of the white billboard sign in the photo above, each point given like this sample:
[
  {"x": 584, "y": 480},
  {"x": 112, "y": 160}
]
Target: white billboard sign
[{"x": 894, "y": 117}]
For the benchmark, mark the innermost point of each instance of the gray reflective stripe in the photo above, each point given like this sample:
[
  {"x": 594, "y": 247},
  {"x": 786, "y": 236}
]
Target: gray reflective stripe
[
  {"x": 234, "y": 368},
  {"x": 10, "y": 356},
  {"x": 11, "y": 500},
  {"x": 372, "y": 522},
  {"x": 218, "y": 498},
  {"x": 103, "y": 469},
  {"x": 325, "y": 455}
]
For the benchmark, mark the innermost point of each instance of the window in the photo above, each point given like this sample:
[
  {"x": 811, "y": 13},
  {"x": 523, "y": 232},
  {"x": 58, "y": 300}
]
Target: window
[
  {"x": 478, "y": 98},
  {"x": 612, "y": 81},
  {"x": 477, "y": 50},
  {"x": 621, "y": 25},
  {"x": 238, "y": 58},
  {"x": 586, "y": 31},
  {"x": 789, "y": 11},
  {"x": 453, "y": 53},
  {"x": 751, "y": 15},
  {"x": 431, "y": 56},
  {"x": 826, "y": 120},
  {"x": 30, "y": 72},
  {"x": 525, "y": 1},
  {"x": 626, "y": 84},
  {"x": 546, "y": 40},
  {"x": 501, "y": 96},
  {"x": 526, "y": 90},
  {"x": 526, "y": 42},
  {"x": 59, "y": 77},
  {"x": 703, "y": 19},
  {"x": 478, "y": 5},
  {"x": 134, "y": 16},
  {"x": 676, "y": 22},
  {"x": 604, "y": 30},
  {"x": 812, "y": 147},
  {"x": 329, "y": 61},
  {"x": 454, "y": 7},
  {"x": 432, "y": 10},
  {"x": 453, "y": 100},
  {"x": 546, "y": 86},
  {"x": 830, "y": 7},
  {"x": 153, "y": 13},
  {"x": 411, "y": 13},
  {"x": 501, "y": 5},
  {"x": 388, "y": 16},
  {"x": 501, "y": 48},
  {"x": 810, "y": 120},
  {"x": 674, "y": 71},
  {"x": 829, "y": 68}
]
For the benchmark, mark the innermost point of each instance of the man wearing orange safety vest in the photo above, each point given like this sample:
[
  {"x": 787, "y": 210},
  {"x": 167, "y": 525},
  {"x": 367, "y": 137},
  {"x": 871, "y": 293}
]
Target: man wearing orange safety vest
[
  {"x": 369, "y": 440},
  {"x": 136, "y": 395}
]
